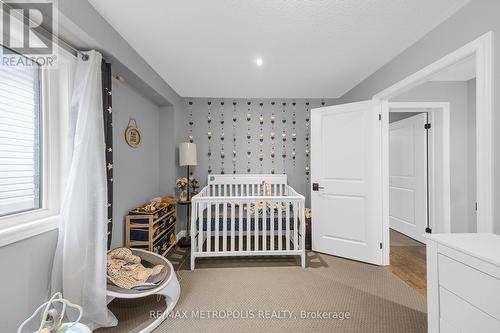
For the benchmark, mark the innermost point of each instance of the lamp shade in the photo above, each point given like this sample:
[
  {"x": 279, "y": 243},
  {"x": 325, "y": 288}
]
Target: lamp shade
[{"x": 187, "y": 154}]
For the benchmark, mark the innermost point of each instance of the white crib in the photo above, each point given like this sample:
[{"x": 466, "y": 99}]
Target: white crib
[{"x": 230, "y": 217}]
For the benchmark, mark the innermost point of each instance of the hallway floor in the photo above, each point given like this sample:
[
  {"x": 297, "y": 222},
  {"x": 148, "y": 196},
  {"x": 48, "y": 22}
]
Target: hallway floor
[{"x": 408, "y": 261}]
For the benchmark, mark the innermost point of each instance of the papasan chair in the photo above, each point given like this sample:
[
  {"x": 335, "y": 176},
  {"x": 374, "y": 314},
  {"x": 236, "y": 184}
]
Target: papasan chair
[{"x": 169, "y": 288}]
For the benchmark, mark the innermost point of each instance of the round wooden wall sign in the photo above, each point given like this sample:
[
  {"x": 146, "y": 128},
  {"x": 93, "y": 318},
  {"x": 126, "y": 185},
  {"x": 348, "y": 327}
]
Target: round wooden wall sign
[{"x": 133, "y": 135}]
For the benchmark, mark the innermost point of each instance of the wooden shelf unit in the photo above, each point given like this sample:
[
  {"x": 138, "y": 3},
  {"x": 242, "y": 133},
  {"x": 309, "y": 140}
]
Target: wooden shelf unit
[{"x": 154, "y": 232}]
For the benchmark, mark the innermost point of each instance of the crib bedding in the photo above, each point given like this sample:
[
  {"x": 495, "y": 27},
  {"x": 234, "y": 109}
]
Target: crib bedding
[
  {"x": 254, "y": 222},
  {"x": 245, "y": 226}
]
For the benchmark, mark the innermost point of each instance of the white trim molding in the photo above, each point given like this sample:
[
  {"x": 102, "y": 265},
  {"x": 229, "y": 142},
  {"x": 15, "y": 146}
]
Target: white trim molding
[
  {"x": 482, "y": 49},
  {"x": 21, "y": 231}
]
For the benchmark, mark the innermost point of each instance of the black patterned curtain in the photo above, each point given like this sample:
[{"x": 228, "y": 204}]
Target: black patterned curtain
[{"x": 108, "y": 135}]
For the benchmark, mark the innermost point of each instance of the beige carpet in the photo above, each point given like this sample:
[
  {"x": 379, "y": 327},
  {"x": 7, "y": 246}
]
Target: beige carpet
[{"x": 260, "y": 289}]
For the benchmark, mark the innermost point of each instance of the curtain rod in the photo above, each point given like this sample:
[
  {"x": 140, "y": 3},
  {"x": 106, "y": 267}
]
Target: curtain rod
[{"x": 48, "y": 33}]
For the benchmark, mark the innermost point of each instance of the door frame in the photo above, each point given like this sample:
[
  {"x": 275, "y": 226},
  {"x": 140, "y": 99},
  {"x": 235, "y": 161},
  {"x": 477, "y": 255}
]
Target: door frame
[
  {"x": 437, "y": 222},
  {"x": 482, "y": 49}
]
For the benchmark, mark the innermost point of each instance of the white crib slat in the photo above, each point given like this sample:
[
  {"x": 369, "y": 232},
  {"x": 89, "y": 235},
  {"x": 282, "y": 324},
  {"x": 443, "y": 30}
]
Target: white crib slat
[
  {"x": 216, "y": 227},
  {"x": 209, "y": 227},
  {"x": 280, "y": 228},
  {"x": 249, "y": 231},
  {"x": 287, "y": 235},
  {"x": 200, "y": 227},
  {"x": 256, "y": 227},
  {"x": 224, "y": 227},
  {"x": 240, "y": 227},
  {"x": 264, "y": 226},
  {"x": 296, "y": 210},
  {"x": 232, "y": 227},
  {"x": 271, "y": 224}
]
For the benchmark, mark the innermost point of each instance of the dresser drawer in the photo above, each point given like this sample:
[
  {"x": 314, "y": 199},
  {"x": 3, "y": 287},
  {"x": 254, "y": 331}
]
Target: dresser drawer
[
  {"x": 474, "y": 286},
  {"x": 457, "y": 315}
]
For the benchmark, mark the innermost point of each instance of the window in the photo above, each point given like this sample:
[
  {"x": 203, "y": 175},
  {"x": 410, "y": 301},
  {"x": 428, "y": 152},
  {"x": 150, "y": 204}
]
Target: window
[{"x": 20, "y": 139}]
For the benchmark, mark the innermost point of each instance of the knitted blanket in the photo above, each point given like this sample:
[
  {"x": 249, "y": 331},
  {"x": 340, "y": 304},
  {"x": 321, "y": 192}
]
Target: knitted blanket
[{"x": 126, "y": 271}]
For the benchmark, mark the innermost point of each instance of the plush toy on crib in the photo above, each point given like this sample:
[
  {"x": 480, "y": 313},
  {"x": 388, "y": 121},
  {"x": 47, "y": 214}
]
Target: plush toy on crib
[{"x": 52, "y": 320}]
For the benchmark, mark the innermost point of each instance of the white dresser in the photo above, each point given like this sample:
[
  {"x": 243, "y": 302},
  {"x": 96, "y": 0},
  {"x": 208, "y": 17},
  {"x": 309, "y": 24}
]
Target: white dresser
[{"x": 463, "y": 283}]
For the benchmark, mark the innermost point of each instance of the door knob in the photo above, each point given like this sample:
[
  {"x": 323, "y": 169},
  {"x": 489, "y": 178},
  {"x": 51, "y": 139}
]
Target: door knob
[{"x": 316, "y": 187}]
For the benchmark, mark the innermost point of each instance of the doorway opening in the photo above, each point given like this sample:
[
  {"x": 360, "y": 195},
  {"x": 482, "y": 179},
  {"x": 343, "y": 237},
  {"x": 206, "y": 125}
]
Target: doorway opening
[
  {"x": 350, "y": 161},
  {"x": 432, "y": 176},
  {"x": 480, "y": 50}
]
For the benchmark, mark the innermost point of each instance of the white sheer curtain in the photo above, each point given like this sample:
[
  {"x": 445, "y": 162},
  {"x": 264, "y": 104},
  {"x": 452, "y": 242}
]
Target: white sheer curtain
[{"x": 80, "y": 262}]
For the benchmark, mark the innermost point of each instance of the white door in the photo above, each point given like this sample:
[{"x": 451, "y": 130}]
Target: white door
[
  {"x": 346, "y": 147},
  {"x": 408, "y": 176}
]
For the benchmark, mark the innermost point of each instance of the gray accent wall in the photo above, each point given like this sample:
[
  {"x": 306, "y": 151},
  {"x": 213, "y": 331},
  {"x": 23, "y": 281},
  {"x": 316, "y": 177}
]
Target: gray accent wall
[
  {"x": 472, "y": 21},
  {"x": 297, "y": 177}
]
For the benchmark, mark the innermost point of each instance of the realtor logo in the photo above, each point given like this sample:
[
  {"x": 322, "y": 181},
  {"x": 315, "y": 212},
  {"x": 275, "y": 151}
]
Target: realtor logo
[{"x": 28, "y": 30}]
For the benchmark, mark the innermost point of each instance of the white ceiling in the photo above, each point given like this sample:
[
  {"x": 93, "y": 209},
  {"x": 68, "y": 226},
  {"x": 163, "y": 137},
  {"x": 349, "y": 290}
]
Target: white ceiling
[
  {"x": 309, "y": 48},
  {"x": 463, "y": 70}
]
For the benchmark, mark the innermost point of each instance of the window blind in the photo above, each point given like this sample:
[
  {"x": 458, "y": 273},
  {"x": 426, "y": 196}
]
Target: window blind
[{"x": 20, "y": 133}]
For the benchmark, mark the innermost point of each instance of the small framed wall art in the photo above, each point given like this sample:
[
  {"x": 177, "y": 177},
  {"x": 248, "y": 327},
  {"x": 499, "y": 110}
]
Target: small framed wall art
[{"x": 133, "y": 135}]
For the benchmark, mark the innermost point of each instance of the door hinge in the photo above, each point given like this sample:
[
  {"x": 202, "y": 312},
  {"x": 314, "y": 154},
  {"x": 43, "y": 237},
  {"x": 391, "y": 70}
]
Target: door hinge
[
  {"x": 428, "y": 230},
  {"x": 476, "y": 206},
  {"x": 381, "y": 246},
  {"x": 379, "y": 117},
  {"x": 427, "y": 126}
]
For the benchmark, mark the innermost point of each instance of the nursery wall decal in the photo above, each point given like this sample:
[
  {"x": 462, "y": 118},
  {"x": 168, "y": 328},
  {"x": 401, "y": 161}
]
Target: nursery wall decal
[
  {"x": 307, "y": 168},
  {"x": 209, "y": 135},
  {"x": 272, "y": 138},
  {"x": 261, "y": 138},
  {"x": 222, "y": 152},
  {"x": 190, "y": 133},
  {"x": 251, "y": 136},
  {"x": 294, "y": 134},
  {"x": 235, "y": 119},
  {"x": 283, "y": 137}
]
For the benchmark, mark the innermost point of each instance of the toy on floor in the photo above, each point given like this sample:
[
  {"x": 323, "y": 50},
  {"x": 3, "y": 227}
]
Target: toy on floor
[{"x": 52, "y": 320}]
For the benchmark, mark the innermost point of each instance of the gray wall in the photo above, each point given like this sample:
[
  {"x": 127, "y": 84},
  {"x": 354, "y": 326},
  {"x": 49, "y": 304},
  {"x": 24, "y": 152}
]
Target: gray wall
[
  {"x": 136, "y": 170},
  {"x": 25, "y": 278},
  {"x": 456, "y": 93},
  {"x": 168, "y": 156},
  {"x": 469, "y": 23},
  {"x": 396, "y": 116}
]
